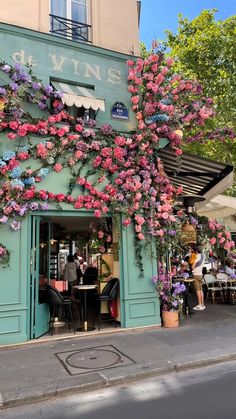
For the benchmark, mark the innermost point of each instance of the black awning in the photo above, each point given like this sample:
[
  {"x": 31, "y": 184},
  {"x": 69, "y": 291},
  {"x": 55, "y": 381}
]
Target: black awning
[{"x": 197, "y": 175}]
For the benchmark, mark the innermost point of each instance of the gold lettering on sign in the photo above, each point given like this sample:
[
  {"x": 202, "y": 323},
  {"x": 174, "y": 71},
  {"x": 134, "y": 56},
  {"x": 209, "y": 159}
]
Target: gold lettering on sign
[
  {"x": 113, "y": 75},
  {"x": 57, "y": 62},
  {"x": 94, "y": 71}
]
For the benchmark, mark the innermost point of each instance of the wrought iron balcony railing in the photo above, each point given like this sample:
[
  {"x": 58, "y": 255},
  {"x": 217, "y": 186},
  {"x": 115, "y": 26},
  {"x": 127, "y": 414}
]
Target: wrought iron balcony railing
[{"x": 70, "y": 29}]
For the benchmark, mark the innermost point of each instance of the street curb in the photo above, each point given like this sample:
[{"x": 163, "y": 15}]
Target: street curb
[
  {"x": 146, "y": 372},
  {"x": 204, "y": 362}
]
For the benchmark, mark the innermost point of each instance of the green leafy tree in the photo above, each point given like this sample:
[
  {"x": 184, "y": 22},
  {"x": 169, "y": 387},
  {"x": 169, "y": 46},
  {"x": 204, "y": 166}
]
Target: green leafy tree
[{"x": 204, "y": 48}]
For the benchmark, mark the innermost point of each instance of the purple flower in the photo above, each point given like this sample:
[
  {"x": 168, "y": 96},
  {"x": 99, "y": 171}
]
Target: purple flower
[
  {"x": 34, "y": 206},
  {"x": 22, "y": 211},
  {"x": 44, "y": 206},
  {"x": 6, "y": 68},
  {"x": 106, "y": 129},
  {"x": 42, "y": 105},
  {"x": 17, "y": 113},
  {"x": 15, "y": 225},
  {"x": 57, "y": 94},
  {"x": 48, "y": 90},
  {"x": 3, "y": 219},
  {"x": 14, "y": 86},
  {"x": 36, "y": 85},
  {"x": 3, "y": 91}
]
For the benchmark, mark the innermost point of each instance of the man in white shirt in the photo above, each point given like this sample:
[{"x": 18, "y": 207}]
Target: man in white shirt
[{"x": 197, "y": 267}]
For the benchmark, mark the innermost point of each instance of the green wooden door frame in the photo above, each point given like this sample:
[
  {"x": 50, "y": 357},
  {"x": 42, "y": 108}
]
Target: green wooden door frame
[
  {"x": 39, "y": 312},
  {"x": 82, "y": 213}
]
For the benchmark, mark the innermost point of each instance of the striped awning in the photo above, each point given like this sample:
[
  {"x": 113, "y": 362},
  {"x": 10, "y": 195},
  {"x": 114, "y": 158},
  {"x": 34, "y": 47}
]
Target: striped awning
[
  {"x": 79, "y": 96},
  {"x": 197, "y": 175}
]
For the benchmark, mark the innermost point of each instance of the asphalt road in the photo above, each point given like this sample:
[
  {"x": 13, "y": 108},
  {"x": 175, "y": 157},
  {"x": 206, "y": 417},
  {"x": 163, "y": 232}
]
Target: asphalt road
[{"x": 204, "y": 393}]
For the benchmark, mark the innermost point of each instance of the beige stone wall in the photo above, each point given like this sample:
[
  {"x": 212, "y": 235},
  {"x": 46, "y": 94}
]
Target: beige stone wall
[
  {"x": 32, "y": 14},
  {"x": 114, "y": 22},
  {"x": 115, "y": 25}
]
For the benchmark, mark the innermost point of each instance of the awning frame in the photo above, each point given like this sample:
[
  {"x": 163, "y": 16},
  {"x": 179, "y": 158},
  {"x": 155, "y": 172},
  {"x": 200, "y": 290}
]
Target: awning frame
[{"x": 79, "y": 96}]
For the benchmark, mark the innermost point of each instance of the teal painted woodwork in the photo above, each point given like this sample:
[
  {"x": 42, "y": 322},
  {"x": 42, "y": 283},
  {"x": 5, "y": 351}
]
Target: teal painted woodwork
[
  {"x": 13, "y": 285},
  {"x": 53, "y": 58},
  {"x": 39, "y": 324},
  {"x": 139, "y": 301}
]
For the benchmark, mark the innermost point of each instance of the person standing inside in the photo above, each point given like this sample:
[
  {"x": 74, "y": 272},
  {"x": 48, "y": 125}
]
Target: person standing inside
[
  {"x": 197, "y": 266},
  {"x": 70, "y": 273}
]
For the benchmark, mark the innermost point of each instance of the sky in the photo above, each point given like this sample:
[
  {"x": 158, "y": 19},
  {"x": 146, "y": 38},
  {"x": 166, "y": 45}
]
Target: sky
[{"x": 160, "y": 15}]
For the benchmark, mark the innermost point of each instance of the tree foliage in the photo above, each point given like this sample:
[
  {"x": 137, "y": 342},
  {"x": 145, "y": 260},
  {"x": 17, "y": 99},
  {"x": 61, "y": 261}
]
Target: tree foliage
[{"x": 204, "y": 48}]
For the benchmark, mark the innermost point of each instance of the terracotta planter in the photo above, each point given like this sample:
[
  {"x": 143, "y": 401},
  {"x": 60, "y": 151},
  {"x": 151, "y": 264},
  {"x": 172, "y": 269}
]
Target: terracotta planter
[{"x": 170, "y": 318}]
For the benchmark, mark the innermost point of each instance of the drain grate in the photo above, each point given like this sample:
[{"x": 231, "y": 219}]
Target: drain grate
[{"x": 93, "y": 359}]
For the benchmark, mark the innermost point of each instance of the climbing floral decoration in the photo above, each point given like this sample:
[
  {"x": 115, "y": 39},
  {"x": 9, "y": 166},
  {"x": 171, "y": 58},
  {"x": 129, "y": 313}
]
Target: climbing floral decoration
[{"x": 109, "y": 172}]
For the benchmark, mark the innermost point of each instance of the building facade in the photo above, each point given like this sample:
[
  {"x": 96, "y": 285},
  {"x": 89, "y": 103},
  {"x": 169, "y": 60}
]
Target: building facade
[{"x": 93, "y": 76}]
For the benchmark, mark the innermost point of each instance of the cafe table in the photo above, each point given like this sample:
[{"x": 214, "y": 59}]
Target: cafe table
[{"x": 84, "y": 289}]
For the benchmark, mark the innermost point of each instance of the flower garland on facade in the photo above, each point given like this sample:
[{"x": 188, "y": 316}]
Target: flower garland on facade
[{"x": 122, "y": 175}]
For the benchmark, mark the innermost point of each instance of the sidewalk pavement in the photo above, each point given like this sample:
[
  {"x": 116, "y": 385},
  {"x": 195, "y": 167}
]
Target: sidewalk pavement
[{"x": 40, "y": 370}]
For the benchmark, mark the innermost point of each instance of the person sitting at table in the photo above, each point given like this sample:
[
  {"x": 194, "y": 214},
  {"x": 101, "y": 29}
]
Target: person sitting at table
[
  {"x": 197, "y": 264},
  {"x": 229, "y": 268},
  {"x": 90, "y": 275}
]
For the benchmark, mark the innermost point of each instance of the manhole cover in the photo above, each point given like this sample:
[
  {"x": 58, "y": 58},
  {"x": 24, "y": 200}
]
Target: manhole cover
[{"x": 92, "y": 359}]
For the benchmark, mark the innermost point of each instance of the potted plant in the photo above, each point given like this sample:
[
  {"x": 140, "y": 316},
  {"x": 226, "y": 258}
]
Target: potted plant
[{"x": 171, "y": 298}]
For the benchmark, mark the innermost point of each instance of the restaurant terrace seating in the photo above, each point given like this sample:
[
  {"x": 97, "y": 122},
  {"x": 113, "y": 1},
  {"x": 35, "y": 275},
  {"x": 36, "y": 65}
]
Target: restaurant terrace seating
[{"x": 214, "y": 289}]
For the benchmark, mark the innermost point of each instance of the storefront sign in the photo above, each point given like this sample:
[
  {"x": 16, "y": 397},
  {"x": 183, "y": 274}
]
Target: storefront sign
[{"x": 119, "y": 111}]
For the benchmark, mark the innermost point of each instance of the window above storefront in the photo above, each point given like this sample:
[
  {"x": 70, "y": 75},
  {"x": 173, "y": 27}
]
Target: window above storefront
[{"x": 69, "y": 19}]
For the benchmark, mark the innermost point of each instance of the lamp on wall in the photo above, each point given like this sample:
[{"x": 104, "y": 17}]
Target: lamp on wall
[{"x": 189, "y": 201}]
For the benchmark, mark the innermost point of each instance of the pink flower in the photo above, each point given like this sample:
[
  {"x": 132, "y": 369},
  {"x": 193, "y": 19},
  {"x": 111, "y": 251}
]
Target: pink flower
[
  {"x": 135, "y": 100},
  {"x": 100, "y": 234},
  {"x": 78, "y": 154},
  {"x": 126, "y": 222},
  {"x": 141, "y": 236},
  {"x": 97, "y": 213},
  {"x": 50, "y": 145},
  {"x": 57, "y": 167},
  {"x": 11, "y": 136},
  {"x": 213, "y": 241},
  {"x": 79, "y": 128}
]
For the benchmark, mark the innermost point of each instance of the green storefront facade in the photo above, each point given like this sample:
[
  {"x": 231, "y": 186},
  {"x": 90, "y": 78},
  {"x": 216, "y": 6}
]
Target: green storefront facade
[{"x": 104, "y": 73}]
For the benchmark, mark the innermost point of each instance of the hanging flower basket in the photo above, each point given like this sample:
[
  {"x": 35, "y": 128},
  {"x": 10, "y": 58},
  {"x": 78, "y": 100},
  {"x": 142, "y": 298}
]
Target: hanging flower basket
[{"x": 170, "y": 319}]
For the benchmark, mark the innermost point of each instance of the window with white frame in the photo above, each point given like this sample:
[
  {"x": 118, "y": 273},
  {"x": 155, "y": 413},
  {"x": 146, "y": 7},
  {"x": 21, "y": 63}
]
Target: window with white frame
[{"x": 70, "y": 19}]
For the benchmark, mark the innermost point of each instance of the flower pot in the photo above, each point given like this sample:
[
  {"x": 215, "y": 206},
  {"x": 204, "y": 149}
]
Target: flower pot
[{"x": 170, "y": 318}]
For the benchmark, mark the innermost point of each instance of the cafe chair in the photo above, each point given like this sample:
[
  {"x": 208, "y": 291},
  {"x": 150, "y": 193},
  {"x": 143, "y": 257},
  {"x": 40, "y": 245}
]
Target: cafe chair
[
  {"x": 223, "y": 280},
  {"x": 213, "y": 290},
  {"x": 108, "y": 294},
  {"x": 56, "y": 301}
]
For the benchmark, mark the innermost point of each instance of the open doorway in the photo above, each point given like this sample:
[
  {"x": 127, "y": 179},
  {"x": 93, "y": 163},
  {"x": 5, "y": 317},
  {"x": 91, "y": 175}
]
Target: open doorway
[{"x": 90, "y": 241}]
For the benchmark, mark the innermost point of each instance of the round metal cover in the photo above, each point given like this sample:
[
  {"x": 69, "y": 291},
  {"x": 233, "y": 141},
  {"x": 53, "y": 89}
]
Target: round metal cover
[{"x": 93, "y": 359}]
